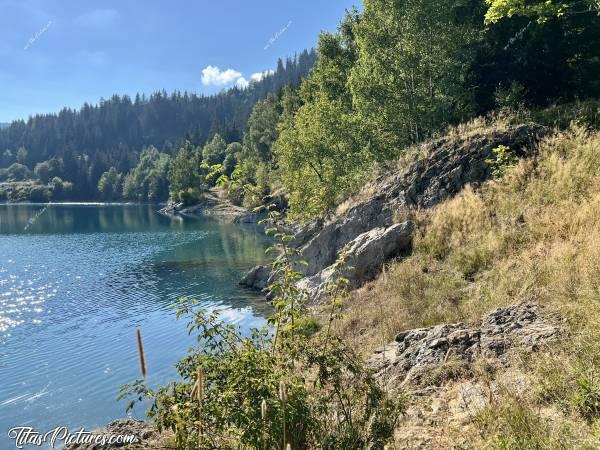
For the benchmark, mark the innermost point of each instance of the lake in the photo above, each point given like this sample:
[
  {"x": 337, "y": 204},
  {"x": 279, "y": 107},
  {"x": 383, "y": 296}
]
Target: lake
[{"x": 75, "y": 283}]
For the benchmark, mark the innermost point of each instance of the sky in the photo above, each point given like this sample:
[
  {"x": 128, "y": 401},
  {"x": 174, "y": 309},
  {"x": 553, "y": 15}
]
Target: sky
[{"x": 66, "y": 52}]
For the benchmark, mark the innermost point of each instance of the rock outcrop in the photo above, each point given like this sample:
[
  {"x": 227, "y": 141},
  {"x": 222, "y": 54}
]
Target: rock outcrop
[
  {"x": 444, "y": 167},
  {"x": 366, "y": 255},
  {"x": 147, "y": 436},
  {"x": 415, "y": 352},
  {"x": 213, "y": 206}
]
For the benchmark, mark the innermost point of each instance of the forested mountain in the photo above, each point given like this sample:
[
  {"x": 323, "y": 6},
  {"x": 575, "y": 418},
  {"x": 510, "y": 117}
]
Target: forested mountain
[{"x": 89, "y": 141}]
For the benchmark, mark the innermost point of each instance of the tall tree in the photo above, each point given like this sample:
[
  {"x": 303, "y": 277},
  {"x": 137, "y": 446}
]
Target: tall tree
[
  {"x": 109, "y": 185},
  {"x": 184, "y": 172},
  {"x": 232, "y": 156},
  {"x": 541, "y": 10},
  {"x": 521, "y": 61},
  {"x": 262, "y": 129},
  {"x": 409, "y": 76},
  {"x": 319, "y": 152},
  {"x": 214, "y": 151},
  {"x": 148, "y": 180},
  {"x": 22, "y": 155}
]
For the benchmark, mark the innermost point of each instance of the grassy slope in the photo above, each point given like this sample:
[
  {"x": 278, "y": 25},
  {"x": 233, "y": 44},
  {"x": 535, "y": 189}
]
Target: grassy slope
[{"x": 533, "y": 235}]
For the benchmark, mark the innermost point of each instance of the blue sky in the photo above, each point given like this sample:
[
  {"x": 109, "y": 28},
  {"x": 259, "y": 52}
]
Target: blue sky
[{"x": 65, "y": 52}]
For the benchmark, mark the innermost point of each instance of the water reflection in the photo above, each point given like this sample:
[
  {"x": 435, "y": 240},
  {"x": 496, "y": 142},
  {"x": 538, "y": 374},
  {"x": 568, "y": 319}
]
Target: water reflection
[
  {"x": 78, "y": 218},
  {"x": 77, "y": 282}
]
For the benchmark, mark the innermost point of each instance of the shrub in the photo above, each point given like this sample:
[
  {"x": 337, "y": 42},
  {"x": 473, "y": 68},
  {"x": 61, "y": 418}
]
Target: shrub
[
  {"x": 39, "y": 194},
  {"x": 190, "y": 196},
  {"x": 504, "y": 160},
  {"x": 284, "y": 384}
]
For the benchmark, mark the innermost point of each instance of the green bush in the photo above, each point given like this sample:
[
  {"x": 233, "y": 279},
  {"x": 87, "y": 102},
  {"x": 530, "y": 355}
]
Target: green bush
[
  {"x": 503, "y": 160},
  {"x": 190, "y": 196},
  {"x": 39, "y": 194},
  {"x": 282, "y": 384}
]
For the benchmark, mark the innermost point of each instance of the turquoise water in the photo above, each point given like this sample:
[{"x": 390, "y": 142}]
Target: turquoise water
[{"x": 75, "y": 283}]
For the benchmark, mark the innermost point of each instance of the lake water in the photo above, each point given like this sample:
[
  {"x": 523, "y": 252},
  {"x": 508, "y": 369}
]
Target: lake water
[{"x": 75, "y": 283}]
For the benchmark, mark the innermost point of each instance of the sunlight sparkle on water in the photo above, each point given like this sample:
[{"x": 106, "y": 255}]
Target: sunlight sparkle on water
[{"x": 21, "y": 298}]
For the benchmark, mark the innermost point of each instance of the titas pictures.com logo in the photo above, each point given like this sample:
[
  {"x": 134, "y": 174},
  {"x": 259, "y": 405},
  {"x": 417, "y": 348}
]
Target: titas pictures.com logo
[{"x": 60, "y": 436}]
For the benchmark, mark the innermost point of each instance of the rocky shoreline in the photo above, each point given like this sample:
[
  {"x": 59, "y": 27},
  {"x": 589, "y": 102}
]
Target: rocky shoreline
[
  {"x": 213, "y": 206},
  {"x": 147, "y": 436}
]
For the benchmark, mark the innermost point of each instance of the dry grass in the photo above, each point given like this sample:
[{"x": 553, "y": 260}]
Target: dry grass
[
  {"x": 585, "y": 114},
  {"x": 534, "y": 236},
  {"x": 543, "y": 409},
  {"x": 561, "y": 116},
  {"x": 482, "y": 124}
]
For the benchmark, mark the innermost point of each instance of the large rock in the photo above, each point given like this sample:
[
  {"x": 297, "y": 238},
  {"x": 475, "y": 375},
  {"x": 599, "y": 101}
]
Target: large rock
[
  {"x": 257, "y": 277},
  {"x": 443, "y": 168},
  {"x": 414, "y": 352},
  {"x": 366, "y": 255}
]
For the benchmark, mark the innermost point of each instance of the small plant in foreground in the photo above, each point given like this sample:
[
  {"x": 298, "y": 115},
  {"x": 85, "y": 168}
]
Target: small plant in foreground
[
  {"x": 587, "y": 397},
  {"x": 503, "y": 160},
  {"x": 276, "y": 388}
]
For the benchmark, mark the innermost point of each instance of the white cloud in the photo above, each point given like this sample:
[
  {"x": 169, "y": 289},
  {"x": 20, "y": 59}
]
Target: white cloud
[
  {"x": 242, "y": 83},
  {"x": 254, "y": 78},
  {"x": 260, "y": 75},
  {"x": 213, "y": 76}
]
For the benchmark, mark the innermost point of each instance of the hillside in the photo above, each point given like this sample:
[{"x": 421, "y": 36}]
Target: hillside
[
  {"x": 460, "y": 231},
  {"x": 426, "y": 176},
  {"x": 527, "y": 237}
]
